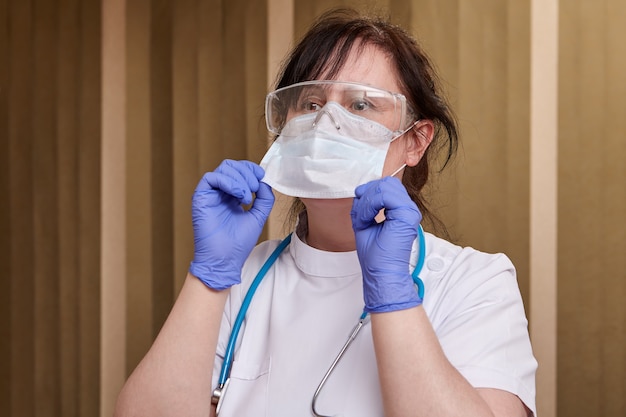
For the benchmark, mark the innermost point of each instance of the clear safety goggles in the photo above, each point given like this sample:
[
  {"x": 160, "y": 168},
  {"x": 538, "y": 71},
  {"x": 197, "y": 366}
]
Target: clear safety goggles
[{"x": 309, "y": 97}]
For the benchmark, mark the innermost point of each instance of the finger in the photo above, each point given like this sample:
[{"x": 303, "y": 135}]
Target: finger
[
  {"x": 263, "y": 203},
  {"x": 387, "y": 193},
  {"x": 249, "y": 170},
  {"x": 366, "y": 205},
  {"x": 398, "y": 204},
  {"x": 214, "y": 181},
  {"x": 236, "y": 178}
]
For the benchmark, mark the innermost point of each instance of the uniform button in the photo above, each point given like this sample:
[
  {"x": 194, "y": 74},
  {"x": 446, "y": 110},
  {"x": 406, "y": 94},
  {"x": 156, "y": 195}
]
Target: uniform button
[{"x": 435, "y": 264}]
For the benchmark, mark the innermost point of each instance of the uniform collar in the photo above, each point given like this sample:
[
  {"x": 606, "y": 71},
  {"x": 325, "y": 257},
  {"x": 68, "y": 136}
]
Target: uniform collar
[{"x": 321, "y": 263}]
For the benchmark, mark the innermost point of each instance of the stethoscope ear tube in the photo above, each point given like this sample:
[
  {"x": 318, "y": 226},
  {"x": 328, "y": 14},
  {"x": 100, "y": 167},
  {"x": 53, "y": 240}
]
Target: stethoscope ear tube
[{"x": 345, "y": 347}]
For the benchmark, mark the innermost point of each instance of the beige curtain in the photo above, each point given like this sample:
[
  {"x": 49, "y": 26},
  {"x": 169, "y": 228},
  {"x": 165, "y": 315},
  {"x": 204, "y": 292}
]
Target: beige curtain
[
  {"x": 50, "y": 207},
  {"x": 592, "y": 208},
  {"x": 110, "y": 111}
]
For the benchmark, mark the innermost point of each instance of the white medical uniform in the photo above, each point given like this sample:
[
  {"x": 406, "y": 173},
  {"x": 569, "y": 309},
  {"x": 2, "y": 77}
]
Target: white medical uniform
[{"x": 309, "y": 302}]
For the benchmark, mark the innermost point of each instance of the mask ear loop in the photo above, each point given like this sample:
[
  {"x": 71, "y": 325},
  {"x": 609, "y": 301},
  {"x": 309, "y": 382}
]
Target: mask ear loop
[
  {"x": 406, "y": 130},
  {"x": 397, "y": 170},
  {"x": 394, "y": 173}
]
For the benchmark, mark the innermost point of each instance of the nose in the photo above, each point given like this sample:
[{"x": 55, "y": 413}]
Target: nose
[{"x": 328, "y": 111}]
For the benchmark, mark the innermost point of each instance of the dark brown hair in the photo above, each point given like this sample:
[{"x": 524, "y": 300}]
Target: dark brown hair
[{"x": 323, "y": 51}]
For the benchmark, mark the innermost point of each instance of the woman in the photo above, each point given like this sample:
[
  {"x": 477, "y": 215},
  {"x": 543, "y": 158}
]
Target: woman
[{"x": 356, "y": 109}]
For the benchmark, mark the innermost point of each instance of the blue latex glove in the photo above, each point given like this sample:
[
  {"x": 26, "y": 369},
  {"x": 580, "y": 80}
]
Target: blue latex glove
[
  {"x": 224, "y": 232},
  {"x": 384, "y": 249}
]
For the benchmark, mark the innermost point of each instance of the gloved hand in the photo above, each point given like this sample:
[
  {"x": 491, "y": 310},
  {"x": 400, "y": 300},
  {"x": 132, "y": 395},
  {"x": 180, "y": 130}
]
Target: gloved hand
[
  {"x": 384, "y": 249},
  {"x": 224, "y": 232}
]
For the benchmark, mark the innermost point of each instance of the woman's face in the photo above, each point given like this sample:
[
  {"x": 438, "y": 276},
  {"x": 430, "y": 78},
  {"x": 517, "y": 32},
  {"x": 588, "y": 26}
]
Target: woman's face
[{"x": 371, "y": 66}]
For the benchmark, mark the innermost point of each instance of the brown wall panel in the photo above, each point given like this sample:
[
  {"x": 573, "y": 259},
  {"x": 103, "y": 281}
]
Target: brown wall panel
[
  {"x": 67, "y": 143},
  {"x": 306, "y": 11},
  {"x": 236, "y": 86},
  {"x": 192, "y": 80},
  {"x": 517, "y": 149},
  {"x": 112, "y": 219},
  {"x": 89, "y": 173},
  {"x": 22, "y": 366},
  {"x": 45, "y": 205},
  {"x": 139, "y": 211},
  {"x": 255, "y": 52},
  {"x": 5, "y": 221},
  {"x": 482, "y": 52},
  {"x": 592, "y": 203},
  {"x": 193, "y": 53},
  {"x": 162, "y": 161},
  {"x": 50, "y": 137},
  {"x": 52, "y": 342}
]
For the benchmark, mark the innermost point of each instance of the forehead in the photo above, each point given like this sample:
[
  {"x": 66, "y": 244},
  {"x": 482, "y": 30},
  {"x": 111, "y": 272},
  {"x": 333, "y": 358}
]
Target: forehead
[{"x": 369, "y": 65}]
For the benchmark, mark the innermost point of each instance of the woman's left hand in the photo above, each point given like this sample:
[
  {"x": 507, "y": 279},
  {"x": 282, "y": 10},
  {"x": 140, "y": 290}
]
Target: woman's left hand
[{"x": 384, "y": 248}]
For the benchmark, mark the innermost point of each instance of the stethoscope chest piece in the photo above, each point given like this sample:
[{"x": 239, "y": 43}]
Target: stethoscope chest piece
[{"x": 218, "y": 396}]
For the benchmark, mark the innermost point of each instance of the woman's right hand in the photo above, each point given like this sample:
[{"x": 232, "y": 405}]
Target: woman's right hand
[{"x": 224, "y": 231}]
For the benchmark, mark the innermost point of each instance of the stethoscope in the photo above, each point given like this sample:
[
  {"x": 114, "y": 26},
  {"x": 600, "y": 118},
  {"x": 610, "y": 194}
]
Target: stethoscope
[{"x": 222, "y": 385}]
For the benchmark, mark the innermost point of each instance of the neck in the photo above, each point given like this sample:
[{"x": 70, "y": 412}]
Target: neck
[{"x": 329, "y": 225}]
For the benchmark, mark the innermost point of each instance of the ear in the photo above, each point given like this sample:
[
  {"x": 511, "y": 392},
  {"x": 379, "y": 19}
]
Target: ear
[{"x": 418, "y": 140}]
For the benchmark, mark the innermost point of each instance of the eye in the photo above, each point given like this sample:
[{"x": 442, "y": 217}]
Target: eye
[
  {"x": 309, "y": 103},
  {"x": 360, "y": 105},
  {"x": 311, "y": 106}
]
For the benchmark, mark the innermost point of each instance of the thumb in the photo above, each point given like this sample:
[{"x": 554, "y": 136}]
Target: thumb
[{"x": 263, "y": 202}]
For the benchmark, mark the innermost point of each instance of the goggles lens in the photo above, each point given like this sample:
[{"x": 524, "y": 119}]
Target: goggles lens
[{"x": 380, "y": 106}]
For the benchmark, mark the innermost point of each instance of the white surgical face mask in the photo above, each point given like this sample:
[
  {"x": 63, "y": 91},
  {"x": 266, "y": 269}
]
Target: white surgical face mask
[{"x": 338, "y": 153}]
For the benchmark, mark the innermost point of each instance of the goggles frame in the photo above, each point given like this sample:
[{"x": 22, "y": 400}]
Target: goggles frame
[{"x": 278, "y": 103}]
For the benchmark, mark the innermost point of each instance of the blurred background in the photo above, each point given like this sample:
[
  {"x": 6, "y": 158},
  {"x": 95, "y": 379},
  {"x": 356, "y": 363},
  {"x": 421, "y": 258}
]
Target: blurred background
[{"x": 111, "y": 110}]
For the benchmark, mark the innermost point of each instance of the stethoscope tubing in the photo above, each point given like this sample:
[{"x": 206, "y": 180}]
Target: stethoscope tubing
[{"x": 232, "y": 340}]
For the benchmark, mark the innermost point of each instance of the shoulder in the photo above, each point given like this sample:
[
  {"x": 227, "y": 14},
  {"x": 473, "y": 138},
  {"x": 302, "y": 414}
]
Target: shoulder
[
  {"x": 473, "y": 301},
  {"x": 447, "y": 259},
  {"x": 461, "y": 279}
]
